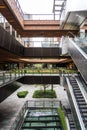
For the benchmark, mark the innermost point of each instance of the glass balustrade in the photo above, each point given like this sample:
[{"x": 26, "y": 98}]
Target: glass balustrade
[
  {"x": 11, "y": 75},
  {"x": 7, "y": 76}
]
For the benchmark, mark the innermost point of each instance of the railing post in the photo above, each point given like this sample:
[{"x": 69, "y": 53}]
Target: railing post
[
  {"x": 10, "y": 75},
  {"x": 15, "y": 34},
  {"x": 10, "y": 29},
  {"x": 3, "y": 77},
  {"x": 19, "y": 72},
  {"x": 4, "y": 23},
  {"x": 15, "y": 74}
]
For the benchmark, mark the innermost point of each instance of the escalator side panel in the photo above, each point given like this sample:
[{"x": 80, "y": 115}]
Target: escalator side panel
[{"x": 79, "y": 59}]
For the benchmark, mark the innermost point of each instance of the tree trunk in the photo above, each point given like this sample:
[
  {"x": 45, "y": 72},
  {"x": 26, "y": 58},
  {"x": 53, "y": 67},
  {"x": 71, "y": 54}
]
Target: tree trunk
[
  {"x": 51, "y": 87},
  {"x": 44, "y": 88}
]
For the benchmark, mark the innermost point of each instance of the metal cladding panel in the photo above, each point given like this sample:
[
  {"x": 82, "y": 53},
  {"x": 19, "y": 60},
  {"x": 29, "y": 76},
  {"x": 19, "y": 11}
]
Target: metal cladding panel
[
  {"x": 21, "y": 50},
  {"x": 12, "y": 45},
  {"x": 40, "y": 80},
  {"x": 2, "y": 37},
  {"x": 17, "y": 49},
  {"x": 9, "y": 43},
  {"x": 42, "y": 52},
  {"x": 7, "y": 40}
]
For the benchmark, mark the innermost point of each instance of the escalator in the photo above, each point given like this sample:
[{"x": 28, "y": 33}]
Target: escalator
[
  {"x": 82, "y": 43},
  {"x": 77, "y": 50},
  {"x": 72, "y": 124},
  {"x": 80, "y": 101},
  {"x": 42, "y": 119}
]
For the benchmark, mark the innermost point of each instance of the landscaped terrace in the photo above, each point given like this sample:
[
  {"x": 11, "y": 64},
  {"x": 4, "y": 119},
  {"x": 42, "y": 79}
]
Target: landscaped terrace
[{"x": 14, "y": 74}]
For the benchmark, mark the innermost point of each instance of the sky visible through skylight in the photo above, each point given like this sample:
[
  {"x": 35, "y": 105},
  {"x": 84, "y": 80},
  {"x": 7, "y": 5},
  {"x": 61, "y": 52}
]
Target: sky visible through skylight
[{"x": 37, "y": 6}]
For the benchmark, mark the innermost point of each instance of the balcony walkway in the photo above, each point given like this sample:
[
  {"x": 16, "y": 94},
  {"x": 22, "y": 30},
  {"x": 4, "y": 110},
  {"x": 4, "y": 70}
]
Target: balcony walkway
[
  {"x": 8, "y": 77},
  {"x": 11, "y": 10}
]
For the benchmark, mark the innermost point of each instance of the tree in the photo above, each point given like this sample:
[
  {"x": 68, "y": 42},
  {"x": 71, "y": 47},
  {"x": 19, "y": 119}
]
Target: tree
[{"x": 45, "y": 86}]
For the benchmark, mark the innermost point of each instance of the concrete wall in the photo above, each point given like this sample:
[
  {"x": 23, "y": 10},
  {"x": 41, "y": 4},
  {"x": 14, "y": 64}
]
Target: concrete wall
[{"x": 40, "y": 80}]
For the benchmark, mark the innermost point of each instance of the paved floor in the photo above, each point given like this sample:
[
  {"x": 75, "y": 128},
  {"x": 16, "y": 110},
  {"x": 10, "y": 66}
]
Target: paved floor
[{"x": 10, "y": 107}]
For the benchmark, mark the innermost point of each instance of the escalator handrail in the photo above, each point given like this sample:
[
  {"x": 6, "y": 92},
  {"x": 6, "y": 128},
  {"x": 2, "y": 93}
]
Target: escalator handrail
[{"x": 79, "y": 49}]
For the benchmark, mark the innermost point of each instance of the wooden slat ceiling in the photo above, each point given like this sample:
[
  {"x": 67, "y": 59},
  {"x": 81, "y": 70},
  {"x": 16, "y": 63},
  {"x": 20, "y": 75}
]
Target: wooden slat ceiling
[
  {"x": 62, "y": 60},
  {"x": 6, "y": 56}
]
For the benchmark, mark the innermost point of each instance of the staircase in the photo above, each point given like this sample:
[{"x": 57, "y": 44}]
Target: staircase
[{"x": 42, "y": 119}]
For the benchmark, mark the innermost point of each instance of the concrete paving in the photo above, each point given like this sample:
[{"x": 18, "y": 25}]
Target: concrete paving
[{"x": 11, "y": 106}]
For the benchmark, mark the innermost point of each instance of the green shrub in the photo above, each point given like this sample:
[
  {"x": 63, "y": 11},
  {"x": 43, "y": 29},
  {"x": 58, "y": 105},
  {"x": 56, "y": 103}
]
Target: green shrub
[
  {"x": 62, "y": 119},
  {"x": 46, "y": 94},
  {"x": 22, "y": 94}
]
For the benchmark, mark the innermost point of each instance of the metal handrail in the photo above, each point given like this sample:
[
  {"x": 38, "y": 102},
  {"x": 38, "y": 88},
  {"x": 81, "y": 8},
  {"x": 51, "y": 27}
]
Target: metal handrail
[
  {"x": 40, "y": 17},
  {"x": 28, "y": 43},
  {"x": 8, "y": 76},
  {"x": 71, "y": 34},
  {"x": 19, "y": 7},
  {"x": 79, "y": 49},
  {"x": 19, "y": 118}
]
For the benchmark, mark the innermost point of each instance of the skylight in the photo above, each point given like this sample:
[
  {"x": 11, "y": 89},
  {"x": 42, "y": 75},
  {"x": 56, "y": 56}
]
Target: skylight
[{"x": 37, "y": 6}]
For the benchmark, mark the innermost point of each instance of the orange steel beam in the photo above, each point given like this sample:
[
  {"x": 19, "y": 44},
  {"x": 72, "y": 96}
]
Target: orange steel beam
[
  {"x": 48, "y": 33},
  {"x": 12, "y": 6},
  {"x": 41, "y": 25},
  {"x": 41, "y": 22}
]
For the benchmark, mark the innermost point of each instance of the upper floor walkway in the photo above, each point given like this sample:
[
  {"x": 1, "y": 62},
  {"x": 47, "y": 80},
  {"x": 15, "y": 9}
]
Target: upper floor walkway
[
  {"x": 7, "y": 77},
  {"x": 27, "y": 27}
]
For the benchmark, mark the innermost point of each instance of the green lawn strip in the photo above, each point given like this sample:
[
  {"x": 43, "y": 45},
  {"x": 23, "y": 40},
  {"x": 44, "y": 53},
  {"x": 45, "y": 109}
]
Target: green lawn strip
[
  {"x": 22, "y": 94},
  {"x": 46, "y": 94},
  {"x": 62, "y": 118}
]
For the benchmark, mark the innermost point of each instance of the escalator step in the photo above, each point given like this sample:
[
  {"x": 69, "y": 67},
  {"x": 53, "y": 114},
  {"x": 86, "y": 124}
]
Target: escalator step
[
  {"x": 80, "y": 100},
  {"x": 83, "y": 107},
  {"x": 84, "y": 110},
  {"x": 84, "y": 114},
  {"x": 81, "y": 103}
]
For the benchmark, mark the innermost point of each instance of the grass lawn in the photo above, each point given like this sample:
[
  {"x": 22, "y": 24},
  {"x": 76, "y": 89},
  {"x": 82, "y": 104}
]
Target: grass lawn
[{"x": 46, "y": 94}]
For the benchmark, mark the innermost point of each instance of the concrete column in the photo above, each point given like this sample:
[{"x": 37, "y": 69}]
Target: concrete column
[
  {"x": 19, "y": 37},
  {"x": 10, "y": 29},
  {"x": 21, "y": 65},
  {"x": 4, "y": 23},
  {"x": 15, "y": 34}
]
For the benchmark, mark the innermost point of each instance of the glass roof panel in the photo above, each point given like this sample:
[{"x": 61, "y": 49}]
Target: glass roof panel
[{"x": 37, "y": 6}]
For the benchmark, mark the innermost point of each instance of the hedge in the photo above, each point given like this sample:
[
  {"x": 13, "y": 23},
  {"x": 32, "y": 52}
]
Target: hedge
[
  {"x": 46, "y": 94},
  {"x": 62, "y": 119},
  {"x": 22, "y": 94}
]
